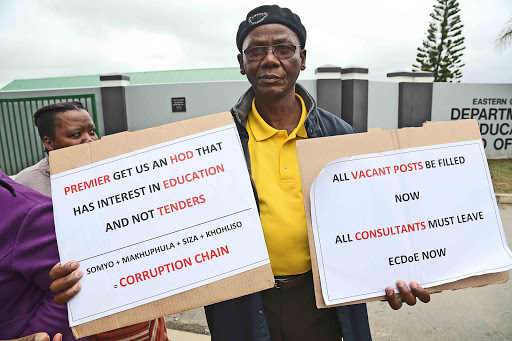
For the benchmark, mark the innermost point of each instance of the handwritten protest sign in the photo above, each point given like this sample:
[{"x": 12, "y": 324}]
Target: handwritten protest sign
[
  {"x": 158, "y": 221},
  {"x": 425, "y": 213}
]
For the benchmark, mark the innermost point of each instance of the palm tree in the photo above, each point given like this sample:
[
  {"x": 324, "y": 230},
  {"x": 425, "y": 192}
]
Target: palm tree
[{"x": 504, "y": 39}]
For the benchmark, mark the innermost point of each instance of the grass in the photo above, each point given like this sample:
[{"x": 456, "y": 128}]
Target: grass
[{"x": 501, "y": 174}]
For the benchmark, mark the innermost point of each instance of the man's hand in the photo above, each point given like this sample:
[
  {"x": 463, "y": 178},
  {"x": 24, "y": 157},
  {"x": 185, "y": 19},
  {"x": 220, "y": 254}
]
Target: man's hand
[
  {"x": 39, "y": 337},
  {"x": 65, "y": 281},
  {"x": 408, "y": 296}
]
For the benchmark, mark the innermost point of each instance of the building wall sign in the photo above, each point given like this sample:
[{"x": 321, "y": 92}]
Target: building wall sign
[
  {"x": 179, "y": 104},
  {"x": 489, "y": 104}
]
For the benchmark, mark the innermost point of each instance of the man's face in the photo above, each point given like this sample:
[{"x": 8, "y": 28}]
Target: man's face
[
  {"x": 72, "y": 127},
  {"x": 271, "y": 75}
]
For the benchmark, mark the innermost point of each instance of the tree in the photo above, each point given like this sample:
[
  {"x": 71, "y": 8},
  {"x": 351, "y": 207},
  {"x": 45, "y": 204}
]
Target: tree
[
  {"x": 505, "y": 37},
  {"x": 442, "y": 50}
]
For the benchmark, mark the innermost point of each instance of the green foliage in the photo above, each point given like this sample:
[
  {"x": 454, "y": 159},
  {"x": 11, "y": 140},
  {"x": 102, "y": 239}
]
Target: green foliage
[
  {"x": 441, "y": 52},
  {"x": 505, "y": 37}
]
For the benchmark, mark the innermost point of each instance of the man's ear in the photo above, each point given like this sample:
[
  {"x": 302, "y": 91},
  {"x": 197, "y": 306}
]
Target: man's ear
[
  {"x": 241, "y": 63},
  {"x": 303, "y": 60},
  {"x": 48, "y": 143}
]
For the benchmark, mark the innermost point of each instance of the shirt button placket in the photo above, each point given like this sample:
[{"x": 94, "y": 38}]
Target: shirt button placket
[
  {"x": 284, "y": 159},
  {"x": 285, "y": 156}
]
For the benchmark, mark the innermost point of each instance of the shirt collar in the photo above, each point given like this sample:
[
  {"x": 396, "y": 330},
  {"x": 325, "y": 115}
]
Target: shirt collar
[
  {"x": 262, "y": 130},
  {"x": 300, "y": 130}
]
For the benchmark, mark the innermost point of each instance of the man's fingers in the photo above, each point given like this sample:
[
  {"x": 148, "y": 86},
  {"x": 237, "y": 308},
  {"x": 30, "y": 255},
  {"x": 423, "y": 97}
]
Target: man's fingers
[
  {"x": 419, "y": 292},
  {"x": 406, "y": 294},
  {"x": 67, "y": 282},
  {"x": 59, "y": 270},
  {"x": 65, "y": 278},
  {"x": 42, "y": 337},
  {"x": 35, "y": 337},
  {"x": 392, "y": 298},
  {"x": 65, "y": 296}
]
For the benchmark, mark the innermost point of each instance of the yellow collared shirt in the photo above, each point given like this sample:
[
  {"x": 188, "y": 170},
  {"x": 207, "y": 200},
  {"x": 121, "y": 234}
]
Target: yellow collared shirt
[{"x": 275, "y": 170}]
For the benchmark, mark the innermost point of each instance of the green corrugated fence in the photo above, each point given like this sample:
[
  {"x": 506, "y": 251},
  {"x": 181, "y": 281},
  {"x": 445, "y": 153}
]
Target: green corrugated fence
[{"x": 20, "y": 144}]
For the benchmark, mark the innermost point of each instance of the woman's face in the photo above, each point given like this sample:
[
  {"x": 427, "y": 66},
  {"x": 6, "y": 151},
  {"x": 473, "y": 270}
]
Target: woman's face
[{"x": 71, "y": 128}]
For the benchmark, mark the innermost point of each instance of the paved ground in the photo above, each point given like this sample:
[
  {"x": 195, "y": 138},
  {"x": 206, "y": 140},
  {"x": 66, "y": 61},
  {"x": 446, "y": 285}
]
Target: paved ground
[
  {"x": 192, "y": 321},
  {"x": 176, "y": 335},
  {"x": 469, "y": 314}
]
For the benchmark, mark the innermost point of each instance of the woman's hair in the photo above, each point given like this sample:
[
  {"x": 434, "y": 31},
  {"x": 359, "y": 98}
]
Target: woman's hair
[{"x": 44, "y": 118}]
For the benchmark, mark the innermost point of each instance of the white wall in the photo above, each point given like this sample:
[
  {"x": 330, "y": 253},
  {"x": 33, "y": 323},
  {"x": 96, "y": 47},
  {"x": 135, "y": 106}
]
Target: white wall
[
  {"x": 150, "y": 105},
  {"x": 383, "y": 105},
  {"x": 452, "y": 101}
]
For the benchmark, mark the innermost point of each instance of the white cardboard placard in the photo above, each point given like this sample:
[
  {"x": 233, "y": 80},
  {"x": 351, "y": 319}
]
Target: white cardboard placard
[
  {"x": 157, "y": 221},
  {"x": 427, "y": 220}
]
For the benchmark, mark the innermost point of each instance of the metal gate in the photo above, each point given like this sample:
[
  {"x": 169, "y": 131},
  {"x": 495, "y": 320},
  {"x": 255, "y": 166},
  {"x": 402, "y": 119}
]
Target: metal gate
[{"x": 20, "y": 144}]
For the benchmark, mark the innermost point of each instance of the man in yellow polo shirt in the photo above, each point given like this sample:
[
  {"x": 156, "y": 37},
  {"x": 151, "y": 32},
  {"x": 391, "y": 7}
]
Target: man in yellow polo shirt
[
  {"x": 275, "y": 171},
  {"x": 270, "y": 117}
]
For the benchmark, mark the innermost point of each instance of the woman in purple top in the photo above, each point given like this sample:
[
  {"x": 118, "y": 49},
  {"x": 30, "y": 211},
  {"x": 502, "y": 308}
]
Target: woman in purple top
[
  {"x": 29, "y": 247},
  {"x": 63, "y": 125},
  {"x": 27, "y": 253}
]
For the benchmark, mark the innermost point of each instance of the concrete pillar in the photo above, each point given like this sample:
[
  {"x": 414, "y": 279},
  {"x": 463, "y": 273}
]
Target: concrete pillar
[
  {"x": 113, "y": 100},
  {"x": 354, "y": 97},
  {"x": 328, "y": 88},
  {"x": 414, "y": 97}
]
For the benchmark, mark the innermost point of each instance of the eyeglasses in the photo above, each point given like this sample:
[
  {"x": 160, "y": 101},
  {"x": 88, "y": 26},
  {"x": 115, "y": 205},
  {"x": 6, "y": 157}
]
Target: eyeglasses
[{"x": 281, "y": 51}]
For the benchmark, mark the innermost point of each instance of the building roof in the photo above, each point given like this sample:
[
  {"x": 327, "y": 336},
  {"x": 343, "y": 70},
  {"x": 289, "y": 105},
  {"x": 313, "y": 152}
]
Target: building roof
[{"x": 136, "y": 78}]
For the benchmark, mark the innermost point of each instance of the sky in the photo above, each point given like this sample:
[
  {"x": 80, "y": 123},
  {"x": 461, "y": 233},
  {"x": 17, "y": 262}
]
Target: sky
[{"x": 75, "y": 37}]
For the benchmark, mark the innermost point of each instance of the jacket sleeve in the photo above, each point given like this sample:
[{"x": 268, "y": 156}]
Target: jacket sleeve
[{"x": 35, "y": 253}]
